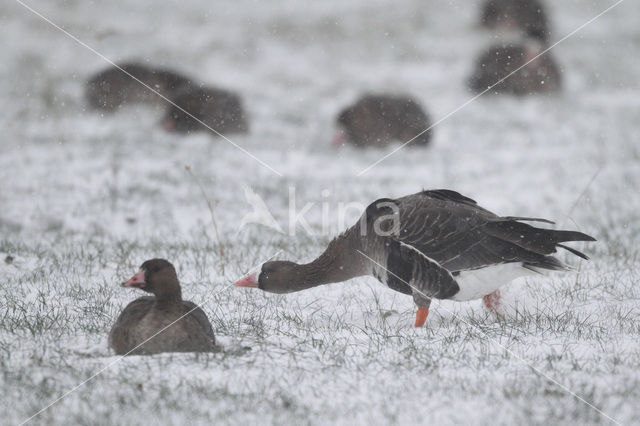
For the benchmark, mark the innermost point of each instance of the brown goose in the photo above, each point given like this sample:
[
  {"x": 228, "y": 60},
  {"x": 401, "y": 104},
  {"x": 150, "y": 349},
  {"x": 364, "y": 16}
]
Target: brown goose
[
  {"x": 527, "y": 17},
  {"x": 134, "y": 330},
  {"x": 219, "y": 109},
  {"x": 539, "y": 76},
  {"x": 110, "y": 89},
  {"x": 376, "y": 120},
  {"x": 433, "y": 244}
]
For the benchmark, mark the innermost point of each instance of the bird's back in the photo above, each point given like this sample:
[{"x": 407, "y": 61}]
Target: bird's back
[{"x": 460, "y": 235}]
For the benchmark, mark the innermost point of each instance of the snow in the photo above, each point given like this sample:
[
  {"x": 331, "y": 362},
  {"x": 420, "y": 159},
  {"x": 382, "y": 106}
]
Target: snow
[{"x": 86, "y": 198}]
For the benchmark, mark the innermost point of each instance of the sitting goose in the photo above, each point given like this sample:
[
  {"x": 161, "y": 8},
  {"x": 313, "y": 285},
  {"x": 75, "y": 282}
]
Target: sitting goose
[
  {"x": 541, "y": 74},
  {"x": 377, "y": 119},
  {"x": 219, "y": 109},
  {"x": 112, "y": 88},
  {"x": 433, "y": 244},
  {"x": 134, "y": 330}
]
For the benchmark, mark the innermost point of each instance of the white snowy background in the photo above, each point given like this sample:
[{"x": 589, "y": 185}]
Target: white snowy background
[{"x": 86, "y": 198}]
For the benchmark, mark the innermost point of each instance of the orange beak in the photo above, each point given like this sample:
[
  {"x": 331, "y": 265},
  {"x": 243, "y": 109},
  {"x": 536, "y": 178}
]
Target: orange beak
[
  {"x": 421, "y": 316},
  {"x": 250, "y": 281}
]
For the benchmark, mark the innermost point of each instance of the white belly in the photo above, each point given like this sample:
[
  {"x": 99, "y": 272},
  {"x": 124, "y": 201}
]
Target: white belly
[{"x": 477, "y": 283}]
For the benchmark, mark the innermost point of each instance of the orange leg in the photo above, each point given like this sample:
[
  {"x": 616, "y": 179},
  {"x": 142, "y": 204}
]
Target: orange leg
[
  {"x": 421, "y": 316},
  {"x": 492, "y": 301}
]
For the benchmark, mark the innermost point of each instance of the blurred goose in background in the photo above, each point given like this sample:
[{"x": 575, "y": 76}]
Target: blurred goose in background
[
  {"x": 434, "y": 244},
  {"x": 375, "y": 120},
  {"x": 523, "y": 17},
  {"x": 137, "y": 330},
  {"x": 112, "y": 88},
  {"x": 219, "y": 109},
  {"x": 541, "y": 75}
]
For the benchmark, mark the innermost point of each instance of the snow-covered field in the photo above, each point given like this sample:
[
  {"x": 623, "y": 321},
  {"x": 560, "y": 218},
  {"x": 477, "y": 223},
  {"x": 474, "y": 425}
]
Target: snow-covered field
[{"x": 85, "y": 199}]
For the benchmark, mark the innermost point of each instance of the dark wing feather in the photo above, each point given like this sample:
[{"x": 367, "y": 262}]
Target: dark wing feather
[
  {"x": 450, "y": 233},
  {"x": 456, "y": 197},
  {"x": 458, "y": 234},
  {"x": 411, "y": 272},
  {"x": 547, "y": 262},
  {"x": 449, "y": 195},
  {"x": 453, "y": 199},
  {"x": 537, "y": 240},
  {"x": 428, "y": 276},
  {"x": 574, "y": 251},
  {"x": 528, "y": 219}
]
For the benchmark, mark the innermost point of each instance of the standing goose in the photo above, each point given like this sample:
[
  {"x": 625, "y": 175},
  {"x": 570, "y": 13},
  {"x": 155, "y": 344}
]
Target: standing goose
[
  {"x": 139, "y": 328},
  {"x": 433, "y": 244}
]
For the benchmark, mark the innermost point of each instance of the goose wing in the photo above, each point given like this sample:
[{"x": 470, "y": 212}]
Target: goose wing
[
  {"x": 121, "y": 339},
  {"x": 455, "y": 232},
  {"x": 201, "y": 334},
  {"x": 424, "y": 277}
]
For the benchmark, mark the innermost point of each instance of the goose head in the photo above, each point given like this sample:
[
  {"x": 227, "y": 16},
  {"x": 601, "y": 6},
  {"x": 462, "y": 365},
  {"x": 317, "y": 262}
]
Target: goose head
[
  {"x": 275, "y": 277},
  {"x": 156, "y": 276}
]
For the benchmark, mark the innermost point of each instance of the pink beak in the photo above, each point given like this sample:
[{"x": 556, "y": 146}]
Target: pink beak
[
  {"x": 250, "y": 281},
  {"x": 135, "y": 281},
  {"x": 338, "y": 139},
  {"x": 530, "y": 56},
  {"x": 169, "y": 125}
]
